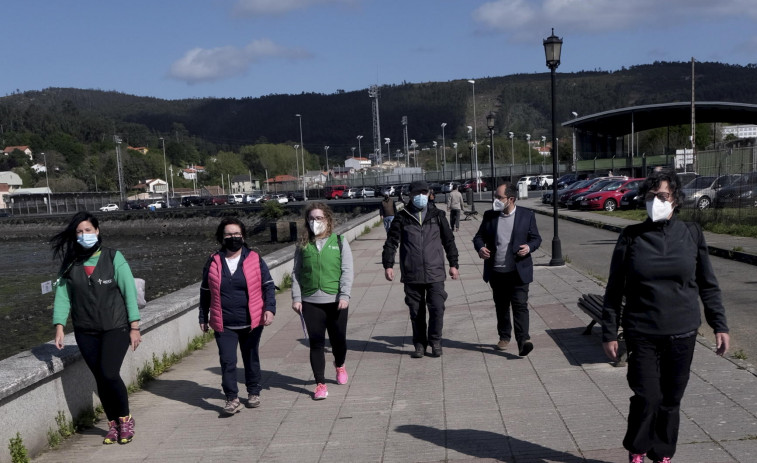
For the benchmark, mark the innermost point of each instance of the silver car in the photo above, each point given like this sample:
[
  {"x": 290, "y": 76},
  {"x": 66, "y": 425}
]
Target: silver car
[{"x": 700, "y": 192}]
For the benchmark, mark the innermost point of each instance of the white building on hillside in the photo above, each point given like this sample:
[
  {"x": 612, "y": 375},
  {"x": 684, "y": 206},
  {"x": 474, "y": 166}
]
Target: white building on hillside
[
  {"x": 740, "y": 131},
  {"x": 357, "y": 163}
]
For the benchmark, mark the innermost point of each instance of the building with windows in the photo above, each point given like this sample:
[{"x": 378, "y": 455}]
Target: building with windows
[{"x": 740, "y": 131}]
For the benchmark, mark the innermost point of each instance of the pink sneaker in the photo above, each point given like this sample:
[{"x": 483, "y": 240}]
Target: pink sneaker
[
  {"x": 321, "y": 392},
  {"x": 636, "y": 457},
  {"x": 112, "y": 436},
  {"x": 341, "y": 375}
]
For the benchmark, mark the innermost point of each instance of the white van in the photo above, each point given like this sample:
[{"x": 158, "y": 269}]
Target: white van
[{"x": 236, "y": 198}]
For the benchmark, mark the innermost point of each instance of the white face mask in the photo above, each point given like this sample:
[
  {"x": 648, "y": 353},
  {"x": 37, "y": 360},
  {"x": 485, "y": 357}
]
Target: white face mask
[
  {"x": 498, "y": 205},
  {"x": 659, "y": 210},
  {"x": 317, "y": 227}
]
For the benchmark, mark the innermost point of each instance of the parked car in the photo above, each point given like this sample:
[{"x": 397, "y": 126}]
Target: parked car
[
  {"x": 741, "y": 193},
  {"x": 133, "y": 205},
  {"x": 608, "y": 198},
  {"x": 391, "y": 190},
  {"x": 593, "y": 185},
  {"x": 569, "y": 179},
  {"x": 156, "y": 205},
  {"x": 471, "y": 185},
  {"x": 366, "y": 193},
  {"x": 109, "y": 207},
  {"x": 405, "y": 190},
  {"x": 526, "y": 180},
  {"x": 350, "y": 193},
  {"x": 631, "y": 200},
  {"x": 579, "y": 186},
  {"x": 216, "y": 200},
  {"x": 252, "y": 199},
  {"x": 546, "y": 197},
  {"x": 335, "y": 191},
  {"x": 701, "y": 191},
  {"x": 297, "y": 196},
  {"x": 686, "y": 177},
  {"x": 544, "y": 181},
  {"x": 447, "y": 186},
  {"x": 282, "y": 199},
  {"x": 235, "y": 198},
  {"x": 191, "y": 200}
]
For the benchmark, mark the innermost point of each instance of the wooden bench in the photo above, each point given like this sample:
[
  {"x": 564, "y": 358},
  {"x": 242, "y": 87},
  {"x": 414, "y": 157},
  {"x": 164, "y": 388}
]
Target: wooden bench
[
  {"x": 591, "y": 305},
  {"x": 470, "y": 215}
]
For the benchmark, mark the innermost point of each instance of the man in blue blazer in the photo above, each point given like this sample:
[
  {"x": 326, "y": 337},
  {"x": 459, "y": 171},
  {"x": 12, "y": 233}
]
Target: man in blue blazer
[{"x": 506, "y": 238}]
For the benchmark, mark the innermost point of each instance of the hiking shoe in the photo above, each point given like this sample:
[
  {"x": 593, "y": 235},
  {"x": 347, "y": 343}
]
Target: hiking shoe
[
  {"x": 636, "y": 457},
  {"x": 321, "y": 392},
  {"x": 420, "y": 351},
  {"x": 502, "y": 344},
  {"x": 436, "y": 350},
  {"x": 253, "y": 401},
  {"x": 232, "y": 406},
  {"x": 125, "y": 429},
  {"x": 341, "y": 375},
  {"x": 664, "y": 460},
  {"x": 526, "y": 349},
  {"x": 112, "y": 436}
]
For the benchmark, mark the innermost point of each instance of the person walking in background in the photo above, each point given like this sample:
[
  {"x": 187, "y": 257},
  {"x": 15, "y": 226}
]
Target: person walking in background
[
  {"x": 455, "y": 205},
  {"x": 662, "y": 268},
  {"x": 237, "y": 300},
  {"x": 387, "y": 210},
  {"x": 506, "y": 238},
  {"x": 423, "y": 235},
  {"x": 96, "y": 287},
  {"x": 321, "y": 284}
]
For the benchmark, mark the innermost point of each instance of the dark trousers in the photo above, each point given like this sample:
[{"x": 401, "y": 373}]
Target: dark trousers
[
  {"x": 422, "y": 297},
  {"x": 248, "y": 342},
  {"x": 658, "y": 372},
  {"x": 454, "y": 218},
  {"x": 104, "y": 353},
  {"x": 319, "y": 319},
  {"x": 510, "y": 291}
]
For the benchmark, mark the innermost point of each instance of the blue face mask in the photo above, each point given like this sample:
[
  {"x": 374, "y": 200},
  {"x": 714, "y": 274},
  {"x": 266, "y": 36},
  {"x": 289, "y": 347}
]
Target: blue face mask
[
  {"x": 420, "y": 201},
  {"x": 87, "y": 240}
]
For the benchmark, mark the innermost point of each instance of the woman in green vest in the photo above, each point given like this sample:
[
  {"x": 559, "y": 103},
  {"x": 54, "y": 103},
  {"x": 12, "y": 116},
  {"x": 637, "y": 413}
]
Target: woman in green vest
[{"x": 321, "y": 284}]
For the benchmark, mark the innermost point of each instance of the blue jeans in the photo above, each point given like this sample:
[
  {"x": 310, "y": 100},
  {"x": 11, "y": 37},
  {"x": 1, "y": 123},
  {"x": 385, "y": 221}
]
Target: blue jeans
[
  {"x": 248, "y": 341},
  {"x": 388, "y": 222}
]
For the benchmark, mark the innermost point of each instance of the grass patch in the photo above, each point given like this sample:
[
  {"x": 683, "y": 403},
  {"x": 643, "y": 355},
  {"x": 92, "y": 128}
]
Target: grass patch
[
  {"x": 64, "y": 430},
  {"x": 286, "y": 282},
  {"x": 567, "y": 259},
  {"x": 734, "y": 222},
  {"x": 18, "y": 451},
  {"x": 739, "y": 355},
  {"x": 366, "y": 230}
]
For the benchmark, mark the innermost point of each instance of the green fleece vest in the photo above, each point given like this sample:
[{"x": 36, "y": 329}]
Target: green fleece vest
[{"x": 321, "y": 270}]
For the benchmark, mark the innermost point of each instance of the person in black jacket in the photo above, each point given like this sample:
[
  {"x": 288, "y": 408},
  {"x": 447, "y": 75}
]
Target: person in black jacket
[
  {"x": 506, "y": 238},
  {"x": 422, "y": 232},
  {"x": 661, "y": 267}
]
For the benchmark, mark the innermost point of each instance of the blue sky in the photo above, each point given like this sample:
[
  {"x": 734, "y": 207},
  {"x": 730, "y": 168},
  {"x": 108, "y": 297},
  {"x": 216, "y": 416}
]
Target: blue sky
[{"x": 176, "y": 49}]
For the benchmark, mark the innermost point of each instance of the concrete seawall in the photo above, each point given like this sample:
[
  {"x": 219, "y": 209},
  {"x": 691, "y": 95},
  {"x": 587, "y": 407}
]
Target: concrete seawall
[{"x": 38, "y": 384}]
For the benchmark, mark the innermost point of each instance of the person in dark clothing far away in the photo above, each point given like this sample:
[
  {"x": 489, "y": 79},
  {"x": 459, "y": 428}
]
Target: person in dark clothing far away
[
  {"x": 96, "y": 287},
  {"x": 387, "y": 211},
  {"x": 506, "y": 238},
  {"x": 662, "y": 268},
  {"x": 424, "y": 236},
  {"x": 237, "y": 300}
]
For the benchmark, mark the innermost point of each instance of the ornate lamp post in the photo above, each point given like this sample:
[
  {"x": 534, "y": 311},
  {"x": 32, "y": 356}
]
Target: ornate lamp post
[
  {"x": 552, "y": 50},
  {"x": 490, "y": 125}
]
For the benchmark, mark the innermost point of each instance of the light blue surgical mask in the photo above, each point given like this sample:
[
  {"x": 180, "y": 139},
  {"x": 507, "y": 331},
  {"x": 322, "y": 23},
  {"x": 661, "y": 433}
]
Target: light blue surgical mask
[
  {"x": 420, "y": 201},
  {"x": 87, "y": 240}
]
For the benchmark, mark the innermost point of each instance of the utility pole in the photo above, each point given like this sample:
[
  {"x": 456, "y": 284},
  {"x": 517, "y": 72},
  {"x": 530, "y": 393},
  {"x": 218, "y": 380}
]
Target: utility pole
[
  {"x": 373, "y": 93},
  {"x": 117, "y": 139}
]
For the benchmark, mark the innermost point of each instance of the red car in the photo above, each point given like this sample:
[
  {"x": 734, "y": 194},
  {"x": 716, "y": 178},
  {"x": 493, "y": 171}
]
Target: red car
[
  {"x": 471, "y": 185},
  {"x": 608, "y": 197}
]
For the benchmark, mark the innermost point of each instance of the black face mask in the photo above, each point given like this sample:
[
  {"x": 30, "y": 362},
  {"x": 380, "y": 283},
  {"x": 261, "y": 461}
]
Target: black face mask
[{"x": 233, "y": 243}]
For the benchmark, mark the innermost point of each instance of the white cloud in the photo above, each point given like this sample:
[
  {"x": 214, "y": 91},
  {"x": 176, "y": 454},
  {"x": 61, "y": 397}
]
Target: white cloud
[
  {"x": 275, "y": 7},
  {"x": 528, "y": 17},
  {"x": 208, "y": 65}
]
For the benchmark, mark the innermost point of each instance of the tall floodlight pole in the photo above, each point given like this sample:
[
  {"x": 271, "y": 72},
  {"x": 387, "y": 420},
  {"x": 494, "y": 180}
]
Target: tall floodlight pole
[
  {"x": 165, "y": 170},
  {"x": 388, "y": 153},
  {"x": 528, "y": 145},
  {"x": 457, "y": 169},
  {"x": 406, "y": 143},
  {"x": 117, "y": 139},
  {"x": 511, "y": 136},
  {"x": 444, "y": 149},
  {"x": 552, "y": 50},
  {"x": 436, "y": 155},
  {"x": 328, "y": 172},
  {"x": 490, "y": 126},
  {"x": 413, "y": 145},
  {"x": 302, "y": 147},
  {"x": 359, "y": 147},
  {"x": 475, "y": 136}
]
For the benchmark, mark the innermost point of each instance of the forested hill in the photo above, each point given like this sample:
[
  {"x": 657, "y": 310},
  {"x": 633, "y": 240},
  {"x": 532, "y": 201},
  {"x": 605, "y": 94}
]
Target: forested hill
[{"x": 64, "y": 119}]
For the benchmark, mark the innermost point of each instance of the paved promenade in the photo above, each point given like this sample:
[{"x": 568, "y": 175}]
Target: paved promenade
[{"x": 562, "y": 403}]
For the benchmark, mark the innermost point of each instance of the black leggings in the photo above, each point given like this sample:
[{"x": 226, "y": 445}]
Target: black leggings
[
  {"x": 320, "y": 318},
  {"x": 104, "y": 353}
]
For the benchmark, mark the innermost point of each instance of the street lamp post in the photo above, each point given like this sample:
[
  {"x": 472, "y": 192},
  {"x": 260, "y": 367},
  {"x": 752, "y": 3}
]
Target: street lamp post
[
  {"x": 414, "y": 145},
  {"x": 490, "y": 126},
  {"x": 575, "y": 166},
  {"x": 457, "y": 169},
  {"x": 552, "y": 50},
  {"x": 470, "y": 153},
  {"x": 444, "y": 149},
  {"x": 475, "y": 137},
  {"x": 328, "y": 172},
  {"x": 388, "y": 153},
  {"x": 541, "y": 152},
  {"x": 511, "y": 136},
  {"x": 297, "y": 165},
  {"x": 528, "y": 145},
  {"x": 359, "y": 147},
  {"x": 165, "y": 170},
  {"x": 436, "y": 155},
  {"x": 302, "y": 147}
]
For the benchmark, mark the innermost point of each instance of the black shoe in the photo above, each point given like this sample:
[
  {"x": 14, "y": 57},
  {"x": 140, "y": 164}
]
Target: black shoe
[
  {"x": 420, "y": 351},
  {"x": 526, "y": 349},
  {"x": 436, "y": 350}
]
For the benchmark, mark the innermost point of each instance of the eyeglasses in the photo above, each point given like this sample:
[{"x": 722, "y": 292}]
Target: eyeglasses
[
  {"x": 232, "y": 235},
  {"x": 501, "y": 198},
  {"x": 661, "y": 195},
  {"x": 318, "y": 219}
]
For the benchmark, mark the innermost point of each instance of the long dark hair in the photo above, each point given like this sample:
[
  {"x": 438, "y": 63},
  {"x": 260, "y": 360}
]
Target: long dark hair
[{"x": 64, "y": 244}]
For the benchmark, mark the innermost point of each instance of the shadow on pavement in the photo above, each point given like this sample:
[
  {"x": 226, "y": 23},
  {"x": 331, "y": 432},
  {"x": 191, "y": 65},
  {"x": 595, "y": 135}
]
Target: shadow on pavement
[
  {"x": 578, "y": 348},
  {"x": 490, "y": 445}
]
